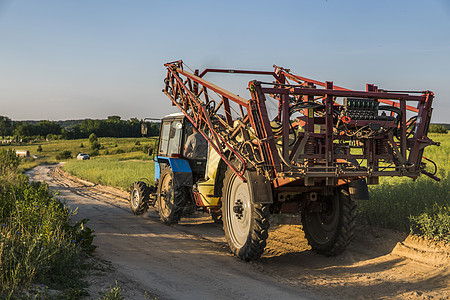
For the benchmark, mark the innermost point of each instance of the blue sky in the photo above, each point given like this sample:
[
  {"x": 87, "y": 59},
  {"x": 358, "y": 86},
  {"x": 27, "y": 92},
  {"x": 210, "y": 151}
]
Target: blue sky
[{"x": 95, "y": 58}]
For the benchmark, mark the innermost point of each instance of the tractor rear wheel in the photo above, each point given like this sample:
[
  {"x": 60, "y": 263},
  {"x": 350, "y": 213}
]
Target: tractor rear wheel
[
  {"x": 139, "y": 197},
  {"x": 330, "y": 231},
  {"x": 245, "y": 223},
  {"x": 171, "y": 198}
]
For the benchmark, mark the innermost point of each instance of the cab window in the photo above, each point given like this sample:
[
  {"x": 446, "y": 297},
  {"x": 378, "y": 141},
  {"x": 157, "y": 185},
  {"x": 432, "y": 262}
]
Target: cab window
[{"x": 171, "y": 133}]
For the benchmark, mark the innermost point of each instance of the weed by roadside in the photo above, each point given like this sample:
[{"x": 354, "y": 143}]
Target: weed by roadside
[
  {"x": 115, "y": 293},
  {"x": 37, "y": 242}
]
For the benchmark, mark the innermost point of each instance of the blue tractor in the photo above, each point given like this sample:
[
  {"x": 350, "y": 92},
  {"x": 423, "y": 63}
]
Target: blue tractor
[{"x": 180, "y": 166}]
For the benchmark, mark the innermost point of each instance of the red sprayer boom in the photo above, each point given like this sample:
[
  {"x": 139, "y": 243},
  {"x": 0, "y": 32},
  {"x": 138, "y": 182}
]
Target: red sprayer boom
[{"x": 319, "y": 133}]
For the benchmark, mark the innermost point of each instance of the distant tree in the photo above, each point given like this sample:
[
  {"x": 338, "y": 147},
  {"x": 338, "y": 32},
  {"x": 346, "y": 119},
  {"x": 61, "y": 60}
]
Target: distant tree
[
  {"x": 5, "y": 126},
  {"x": 48, "y": 127},
  {"x": 115, "y": 119},
  {"x": 111, "y": 127},
  {"x": 24, "y": 129},
  {"x": 93, "y": 138}
]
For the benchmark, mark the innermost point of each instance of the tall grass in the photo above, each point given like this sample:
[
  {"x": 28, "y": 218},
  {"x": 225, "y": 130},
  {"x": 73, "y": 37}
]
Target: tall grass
[
  {"x": 37, "y": 242},
  {"x": 422, "y": 206}
]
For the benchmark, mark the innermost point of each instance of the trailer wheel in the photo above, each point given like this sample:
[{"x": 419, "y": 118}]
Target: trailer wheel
[
  {"x": 170, "y": 198},
  {"x": 139, "y": 197},
  {"x": 245, "y": 223},
  {"x": 330, "y": 231}
]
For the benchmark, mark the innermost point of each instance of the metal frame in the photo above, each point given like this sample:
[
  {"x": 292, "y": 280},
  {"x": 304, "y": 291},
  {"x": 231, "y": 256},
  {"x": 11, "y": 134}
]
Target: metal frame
[{"x": 240, "y": 129}]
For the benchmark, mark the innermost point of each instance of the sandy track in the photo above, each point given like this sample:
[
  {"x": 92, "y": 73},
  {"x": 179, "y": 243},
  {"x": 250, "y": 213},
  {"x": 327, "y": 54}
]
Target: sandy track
[{"x": 191, "y": 260}]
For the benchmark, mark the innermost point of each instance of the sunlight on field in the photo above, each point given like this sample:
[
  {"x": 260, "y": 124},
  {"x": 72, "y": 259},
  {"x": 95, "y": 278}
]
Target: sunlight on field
[
  {"x": 113, "y": 170},
  {"x": 422, "y": 205}
]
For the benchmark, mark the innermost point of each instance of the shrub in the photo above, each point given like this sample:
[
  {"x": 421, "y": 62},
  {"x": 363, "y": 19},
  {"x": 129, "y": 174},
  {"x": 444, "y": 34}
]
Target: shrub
[
  {"x": 64, "y": 154},
  {"x": 95, "y": 145},
  {"x": 81, "y": 145},
  {"x": 435, "y": 128},
  {"x": 39, "y": 148},
  {"x": 9, "y": 162},
  {"x": 94, "y": 152},
  {"x": 434, "y": 223},
  {"x": 147, "y": 150}
]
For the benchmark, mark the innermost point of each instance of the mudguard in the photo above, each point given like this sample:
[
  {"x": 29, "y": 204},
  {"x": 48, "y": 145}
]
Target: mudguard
[
  {"x": 260, "y": 188},
  {"x": 358, "y": 190},
  {"x": 182, "y": 172}
]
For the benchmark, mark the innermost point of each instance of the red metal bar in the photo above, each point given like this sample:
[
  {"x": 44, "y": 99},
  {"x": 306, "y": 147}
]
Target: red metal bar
[
  {"x": 338, "y": 88},
  {"x": 215, "y": 88},
  {"x": 340, "y": 93},
  {"x": 218, "y": 140},
  {"x": 285, "y": 126},
  {"x": 329, "y": 151},
  {"x": 265, "y": 133},
  {"x": 231, "y": 71}
]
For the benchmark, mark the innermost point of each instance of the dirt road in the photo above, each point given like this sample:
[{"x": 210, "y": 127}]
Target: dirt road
[{"x": 191, "y": 260}]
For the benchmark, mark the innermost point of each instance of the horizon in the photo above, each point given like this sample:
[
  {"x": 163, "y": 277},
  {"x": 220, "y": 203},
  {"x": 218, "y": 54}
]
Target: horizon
[{"x": 64, "y": 60}]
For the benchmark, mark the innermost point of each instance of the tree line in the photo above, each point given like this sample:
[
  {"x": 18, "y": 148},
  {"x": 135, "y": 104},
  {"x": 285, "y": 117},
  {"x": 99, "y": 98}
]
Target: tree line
[{"x": 113, "y": 126}]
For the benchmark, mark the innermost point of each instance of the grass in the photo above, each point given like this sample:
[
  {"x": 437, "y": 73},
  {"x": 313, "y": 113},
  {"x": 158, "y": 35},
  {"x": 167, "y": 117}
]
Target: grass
[
  {"x": 421, "y": 206},
  {"x": 114, "y": 170},
  {"x": 38, "y": 243}
]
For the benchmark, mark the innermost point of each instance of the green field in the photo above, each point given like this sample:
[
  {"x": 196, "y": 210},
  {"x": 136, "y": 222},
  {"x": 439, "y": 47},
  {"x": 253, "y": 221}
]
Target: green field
[
  {"x": 114, "y": 170},
  {"x": 422, "y": 206},
  {"x": 109, "y": 146}
]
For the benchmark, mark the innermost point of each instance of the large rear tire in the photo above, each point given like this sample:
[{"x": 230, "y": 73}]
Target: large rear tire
[
  {"x": 245, "y": 223},
  {"x": 330, "y": 231},
  {"x": 139, "y": 197},
  {"x": 171, "y": 198}
]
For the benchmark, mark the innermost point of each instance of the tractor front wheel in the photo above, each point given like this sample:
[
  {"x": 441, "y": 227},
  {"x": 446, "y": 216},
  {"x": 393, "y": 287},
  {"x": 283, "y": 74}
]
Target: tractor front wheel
[
  {"x": 245, "y": 223},
  {"x": 171, "y": 198}
]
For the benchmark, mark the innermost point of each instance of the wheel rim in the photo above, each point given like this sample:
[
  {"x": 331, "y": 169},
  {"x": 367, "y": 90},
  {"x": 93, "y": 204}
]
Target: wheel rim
[
  {"x": 238, "y": 211},
  {"x": 135, "y": 198},
  {"x": 166, "y": 197},
  {"x": 323, "y": 226}
]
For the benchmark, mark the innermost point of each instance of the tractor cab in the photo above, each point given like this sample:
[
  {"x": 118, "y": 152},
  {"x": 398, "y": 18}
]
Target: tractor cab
[{"x": 181, "y": 147}]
